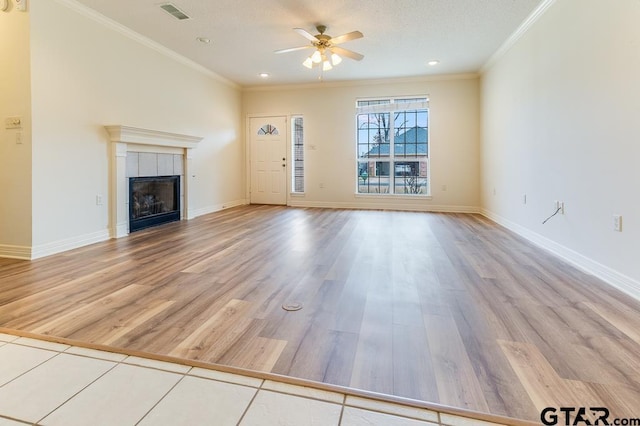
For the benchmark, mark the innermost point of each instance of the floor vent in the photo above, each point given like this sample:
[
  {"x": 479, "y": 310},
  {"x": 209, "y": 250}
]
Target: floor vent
[
  {"x": 174, "y": 11},
  {"x": 292, "y": 306}
]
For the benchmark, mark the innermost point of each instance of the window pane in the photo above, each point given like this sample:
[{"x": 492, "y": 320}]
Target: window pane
[
  {"x": 410, "y": 177},
  {"x": 382, "y": 168},
  {"x": 422, "y": 119},
  {"x": 373, "y": 177},
  {"x": 268, "y": 129},
  {"x": 409, "y": 100},
  {"x": 373, "y": 102},
  {"x": 298, "y": 155},
  {"x": 373, "y": 135},
  {"x": 410, "y": 138}
]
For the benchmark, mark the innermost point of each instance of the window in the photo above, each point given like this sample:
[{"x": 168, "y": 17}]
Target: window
[
  {"x": 268, "y": 129},
  {"x": 401, "y": 166},
  {"x": 297, "y": 148}
]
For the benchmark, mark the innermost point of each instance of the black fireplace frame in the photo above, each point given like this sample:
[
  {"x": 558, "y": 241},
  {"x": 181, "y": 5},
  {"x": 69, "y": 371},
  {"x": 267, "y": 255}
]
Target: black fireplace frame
[{"x": 136, "y": 224}]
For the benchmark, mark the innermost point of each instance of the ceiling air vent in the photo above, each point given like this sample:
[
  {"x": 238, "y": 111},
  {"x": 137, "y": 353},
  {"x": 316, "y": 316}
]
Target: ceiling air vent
[{"x": 174, "y": 11}]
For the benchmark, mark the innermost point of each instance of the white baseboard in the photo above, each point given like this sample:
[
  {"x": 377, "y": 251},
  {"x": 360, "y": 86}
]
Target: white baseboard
[
  {"x": 590, "y": 266},
  {"x": 15, "y": 252},
  {"x": 27, "y": 253},
  {"x": 69, "y": 244},
  {"x": 217, "y": 208},
  {"x": 383, "y": 206}
]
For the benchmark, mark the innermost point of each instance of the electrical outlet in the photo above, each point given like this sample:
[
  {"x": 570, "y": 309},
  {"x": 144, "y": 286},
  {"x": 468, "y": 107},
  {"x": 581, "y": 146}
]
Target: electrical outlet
[
  {"x": 98, "y": 200},
  {"x": 321, "y": 185},
  {"x": 13, "y": 123},
  {"x": 617, "y": 223},
  {"x": 524, "y": 199},
  {"x": 560, "y": 205}
]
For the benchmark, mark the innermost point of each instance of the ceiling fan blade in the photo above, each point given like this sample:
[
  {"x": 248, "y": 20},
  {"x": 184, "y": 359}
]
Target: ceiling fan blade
[
  {"x": 347, "y": 53},
  {"x": 353, "y": 35},
  {"x": 306, "y": 34},
  {"x": 293, "y": 49}
]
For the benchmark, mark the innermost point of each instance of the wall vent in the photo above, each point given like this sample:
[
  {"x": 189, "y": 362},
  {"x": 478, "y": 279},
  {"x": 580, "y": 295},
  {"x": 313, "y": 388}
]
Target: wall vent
[{"x": 174, "y": 11}]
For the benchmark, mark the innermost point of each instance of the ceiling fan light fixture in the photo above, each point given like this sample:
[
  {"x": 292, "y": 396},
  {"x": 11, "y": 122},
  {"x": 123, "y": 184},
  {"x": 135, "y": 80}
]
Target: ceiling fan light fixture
[
  {"x": 316, "y": 57},
  {"x": 308, "y": 63},
  {"x": 325, "y": 53}
]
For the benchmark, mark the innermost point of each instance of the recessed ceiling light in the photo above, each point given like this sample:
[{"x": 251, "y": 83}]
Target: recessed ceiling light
[
  {"x": 264, "y": 74},
  {"x": 203, "y": 40},
  {"x": 434, "y": 62}
]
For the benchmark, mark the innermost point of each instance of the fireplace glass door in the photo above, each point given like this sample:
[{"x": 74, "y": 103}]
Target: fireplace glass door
[{"x": 153, "y": 201}]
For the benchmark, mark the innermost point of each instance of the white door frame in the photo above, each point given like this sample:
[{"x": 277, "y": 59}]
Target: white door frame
[{"x": 248, "y": 153}]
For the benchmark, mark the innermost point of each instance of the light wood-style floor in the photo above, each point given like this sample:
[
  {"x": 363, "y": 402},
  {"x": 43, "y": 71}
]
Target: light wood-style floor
[{"x": 445, "y": 308}]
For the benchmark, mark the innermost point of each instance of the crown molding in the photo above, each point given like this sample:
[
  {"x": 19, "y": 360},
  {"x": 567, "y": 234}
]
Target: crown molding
[
  {"x": 517, "y": 34},
  {"x": 355, "y": 83},
  {"x": 145, "y": 41}
]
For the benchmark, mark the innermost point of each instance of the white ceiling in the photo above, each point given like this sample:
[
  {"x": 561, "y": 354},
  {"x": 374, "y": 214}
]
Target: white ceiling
[{"x": 400, "y": 36}]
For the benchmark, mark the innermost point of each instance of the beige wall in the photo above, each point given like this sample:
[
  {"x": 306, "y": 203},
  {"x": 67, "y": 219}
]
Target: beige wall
[
  {"x": 15, "y": 159},
  {"x": 560, "y": 122},
  {"x": 329, "y": 125},
  {"x": 86, "y": 75}
]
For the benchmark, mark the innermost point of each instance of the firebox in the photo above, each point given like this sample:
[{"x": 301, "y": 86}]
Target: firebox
[{"x": 153, "y": 201}]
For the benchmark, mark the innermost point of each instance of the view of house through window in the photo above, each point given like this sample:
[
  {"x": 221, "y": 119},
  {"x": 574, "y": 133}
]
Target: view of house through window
[
  {"x": 401, "y": 166},
  {"x": 297, "y": 147}
]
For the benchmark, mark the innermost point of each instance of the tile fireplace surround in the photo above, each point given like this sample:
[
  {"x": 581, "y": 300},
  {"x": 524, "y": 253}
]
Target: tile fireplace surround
[{"x": 131, "y": 144}]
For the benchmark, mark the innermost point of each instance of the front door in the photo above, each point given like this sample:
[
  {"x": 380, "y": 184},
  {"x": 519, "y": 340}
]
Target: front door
[{"x": 268, "y": 160}]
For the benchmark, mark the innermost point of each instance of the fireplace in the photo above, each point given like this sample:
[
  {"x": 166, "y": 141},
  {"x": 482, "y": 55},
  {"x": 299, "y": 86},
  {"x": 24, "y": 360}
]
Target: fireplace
[
  {"x": 137, "y": 152},
  {"x": 153, "y": 201}
]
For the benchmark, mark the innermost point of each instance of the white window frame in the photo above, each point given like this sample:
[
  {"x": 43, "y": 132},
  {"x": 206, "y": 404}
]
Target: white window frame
[{"x": 391, "y": 105}]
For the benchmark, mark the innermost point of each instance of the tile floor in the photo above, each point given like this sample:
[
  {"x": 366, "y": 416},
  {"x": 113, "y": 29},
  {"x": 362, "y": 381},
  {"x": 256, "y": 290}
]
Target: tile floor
[{"x": 46, "y": 383}]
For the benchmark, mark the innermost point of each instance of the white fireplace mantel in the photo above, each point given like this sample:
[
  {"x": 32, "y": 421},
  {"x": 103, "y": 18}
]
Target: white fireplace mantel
[
  {"x": 136, "y": 135},
  {"x": 127, "y": 138}
]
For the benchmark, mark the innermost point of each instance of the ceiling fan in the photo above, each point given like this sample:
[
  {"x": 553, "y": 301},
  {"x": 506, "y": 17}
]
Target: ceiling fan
[{"x": 327, "y": 53}]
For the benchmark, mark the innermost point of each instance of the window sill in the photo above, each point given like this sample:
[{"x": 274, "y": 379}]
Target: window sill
[{"x": 393, "y": 196}]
